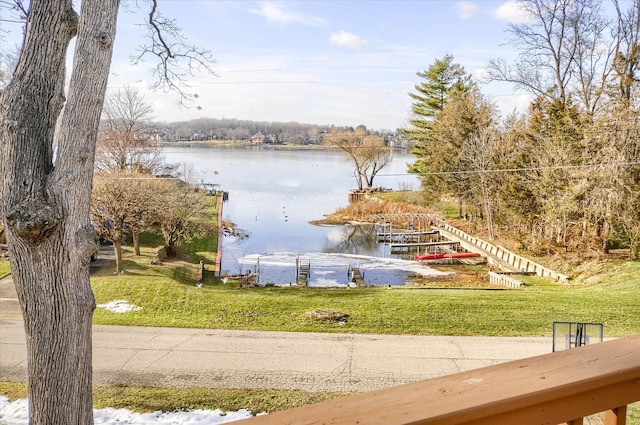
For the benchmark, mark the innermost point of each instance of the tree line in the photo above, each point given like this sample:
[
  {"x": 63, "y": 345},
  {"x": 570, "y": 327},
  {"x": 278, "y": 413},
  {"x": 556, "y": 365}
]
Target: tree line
[
  {"x": 235, "y": 129},
  {"x": 292, "y": 132},
  {"x": 564, "y": 175}
]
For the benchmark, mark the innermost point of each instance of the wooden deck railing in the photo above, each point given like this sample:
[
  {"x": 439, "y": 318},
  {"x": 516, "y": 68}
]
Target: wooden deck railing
[{"x": 555, "y": 388}]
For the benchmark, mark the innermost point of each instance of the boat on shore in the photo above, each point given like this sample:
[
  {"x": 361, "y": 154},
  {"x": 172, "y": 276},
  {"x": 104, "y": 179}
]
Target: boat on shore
[{"x": 443, "y": 255}]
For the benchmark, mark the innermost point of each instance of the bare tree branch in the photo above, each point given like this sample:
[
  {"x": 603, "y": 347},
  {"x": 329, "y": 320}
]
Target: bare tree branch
[
  {"x": 626, "y": 63},
  {"x": 17, "y": 7},
  {"x": 17, "y": 15},
  {"x": 176, "y": 59},
  {"x": 564, "y": 52}
]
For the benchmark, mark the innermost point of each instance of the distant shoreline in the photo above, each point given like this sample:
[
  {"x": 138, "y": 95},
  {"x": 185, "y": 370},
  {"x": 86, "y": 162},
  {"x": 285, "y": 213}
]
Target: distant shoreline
[
  {"x": 244, "y": 143},
  {"x": 247, "y": 144}
]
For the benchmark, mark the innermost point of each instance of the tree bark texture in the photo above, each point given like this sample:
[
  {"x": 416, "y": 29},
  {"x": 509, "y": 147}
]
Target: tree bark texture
[
  {"x": 45, "y": 204},
  {"x": 117, "y": 250},
  {"x": 136, "y": 243}
]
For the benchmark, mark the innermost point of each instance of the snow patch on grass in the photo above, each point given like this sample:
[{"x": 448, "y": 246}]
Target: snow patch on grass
[
  {"x": 16, "y": 413},
  {"x": 119, "y": 306}
]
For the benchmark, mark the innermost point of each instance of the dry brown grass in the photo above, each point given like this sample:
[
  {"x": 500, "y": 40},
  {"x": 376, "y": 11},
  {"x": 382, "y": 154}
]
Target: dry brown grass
[
  {"x": 326, "y": 315},
  {"x": 462, "y": 276},
  {"x": 363, "y": 211}
]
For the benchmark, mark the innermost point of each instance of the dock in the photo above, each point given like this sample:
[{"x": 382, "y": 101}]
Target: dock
[
  {"x": 408, "y": 236},
  {"x": 422, "y": 244},
  {"x": 356, "y": 276},
  {"x": 303, "y": 271}
]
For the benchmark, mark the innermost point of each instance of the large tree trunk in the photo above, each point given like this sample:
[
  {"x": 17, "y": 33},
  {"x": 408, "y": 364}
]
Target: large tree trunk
[
  {"x": 117, "y": 250},
  {"x": 136, "y": 243},
  {"x": 46, "y": 207}
]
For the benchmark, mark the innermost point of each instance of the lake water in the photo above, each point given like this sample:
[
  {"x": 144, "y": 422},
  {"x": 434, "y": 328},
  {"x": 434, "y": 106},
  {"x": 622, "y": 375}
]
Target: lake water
[{"x": 274, "y": 194}]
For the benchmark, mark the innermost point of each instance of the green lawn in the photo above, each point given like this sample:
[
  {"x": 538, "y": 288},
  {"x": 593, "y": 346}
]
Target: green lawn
[
  {"x": 608, "y": 293},
  {"x": 169, "y": 297},
  {"x": 4, "y": 268},
  {"x": 147, "y": 399}
]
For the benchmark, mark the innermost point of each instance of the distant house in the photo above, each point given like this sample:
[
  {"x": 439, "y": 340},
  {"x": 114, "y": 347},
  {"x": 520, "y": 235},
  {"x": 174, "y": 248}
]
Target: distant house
[
  {"x": 166, "y": 135},
  {"x": 398, "y": 140},
  {"x": 258, "y": 139},
  {"x": 199, "y": 136}
]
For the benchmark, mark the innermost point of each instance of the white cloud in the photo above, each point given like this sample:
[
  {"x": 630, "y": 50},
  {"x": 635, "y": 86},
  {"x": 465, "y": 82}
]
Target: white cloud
[
  {"x": 513, "y": 12},
  {"x": 346, "y": 39},
  {"x": 466, "y": 9},
  {"x": 480, "y": 74},
  {"x": 276, "y": 13}
]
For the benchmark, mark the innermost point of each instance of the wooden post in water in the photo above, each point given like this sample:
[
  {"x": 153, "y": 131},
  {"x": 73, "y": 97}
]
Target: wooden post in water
[{"x": 357, "y": 277}]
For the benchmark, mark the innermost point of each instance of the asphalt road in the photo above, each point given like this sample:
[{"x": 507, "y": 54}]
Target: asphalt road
[{"x": 265, "y": 360}]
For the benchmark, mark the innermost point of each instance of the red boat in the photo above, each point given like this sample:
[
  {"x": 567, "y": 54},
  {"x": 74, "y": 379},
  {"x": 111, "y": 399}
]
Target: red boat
[{"x": 443, "y": 255}]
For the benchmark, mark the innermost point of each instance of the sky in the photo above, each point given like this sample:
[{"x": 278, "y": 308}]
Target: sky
[{"x": 319, "y": 62}]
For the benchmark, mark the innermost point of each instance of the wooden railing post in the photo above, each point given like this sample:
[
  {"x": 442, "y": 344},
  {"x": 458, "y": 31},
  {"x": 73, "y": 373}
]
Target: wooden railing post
[{"x": 617, "y": 416}]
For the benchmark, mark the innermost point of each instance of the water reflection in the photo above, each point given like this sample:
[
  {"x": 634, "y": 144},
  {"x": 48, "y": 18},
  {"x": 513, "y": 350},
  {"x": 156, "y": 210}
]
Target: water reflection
[
  {"x": 353, "y": 239},
  {"x": 273, "y": 195}
]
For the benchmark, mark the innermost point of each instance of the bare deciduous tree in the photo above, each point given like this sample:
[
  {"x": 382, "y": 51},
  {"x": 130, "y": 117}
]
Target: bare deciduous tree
[
  {"x": 182, "y": 214},
  {"x": 123, "y": 204},
  {"x": 612, "y": 189},
  {"x": 125, "y": 145},
  {"x": 368, "y": 153},
  {"x": 45, "y": 205},
  {"x": 564, "y": 50},
  {"x": 626, "y": 63},
  {"x": 44, "y": 200},
  {"x": 465, "y": 114},
  {"x": 126, "y": 111},
  {"x": 478, "y": 154},
  {"x": 124, "y": 152}
]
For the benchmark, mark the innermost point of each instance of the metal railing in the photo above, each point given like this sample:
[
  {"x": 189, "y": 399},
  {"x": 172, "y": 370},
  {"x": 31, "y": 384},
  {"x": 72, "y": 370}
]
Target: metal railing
[{"x": 556, "y": 388}]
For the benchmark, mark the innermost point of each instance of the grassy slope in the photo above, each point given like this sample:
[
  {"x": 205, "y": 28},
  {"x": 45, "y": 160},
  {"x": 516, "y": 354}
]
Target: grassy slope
[
  {"x": 607, "y": 293},
  {"x": 168, "y": 297},
  {"x": 144, "y": 399}
]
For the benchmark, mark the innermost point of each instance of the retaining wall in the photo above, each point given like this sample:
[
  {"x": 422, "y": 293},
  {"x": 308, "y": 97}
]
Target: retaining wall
[
  {"x": 504, "y": 280},
  {"x": 218, "y": 266}
]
